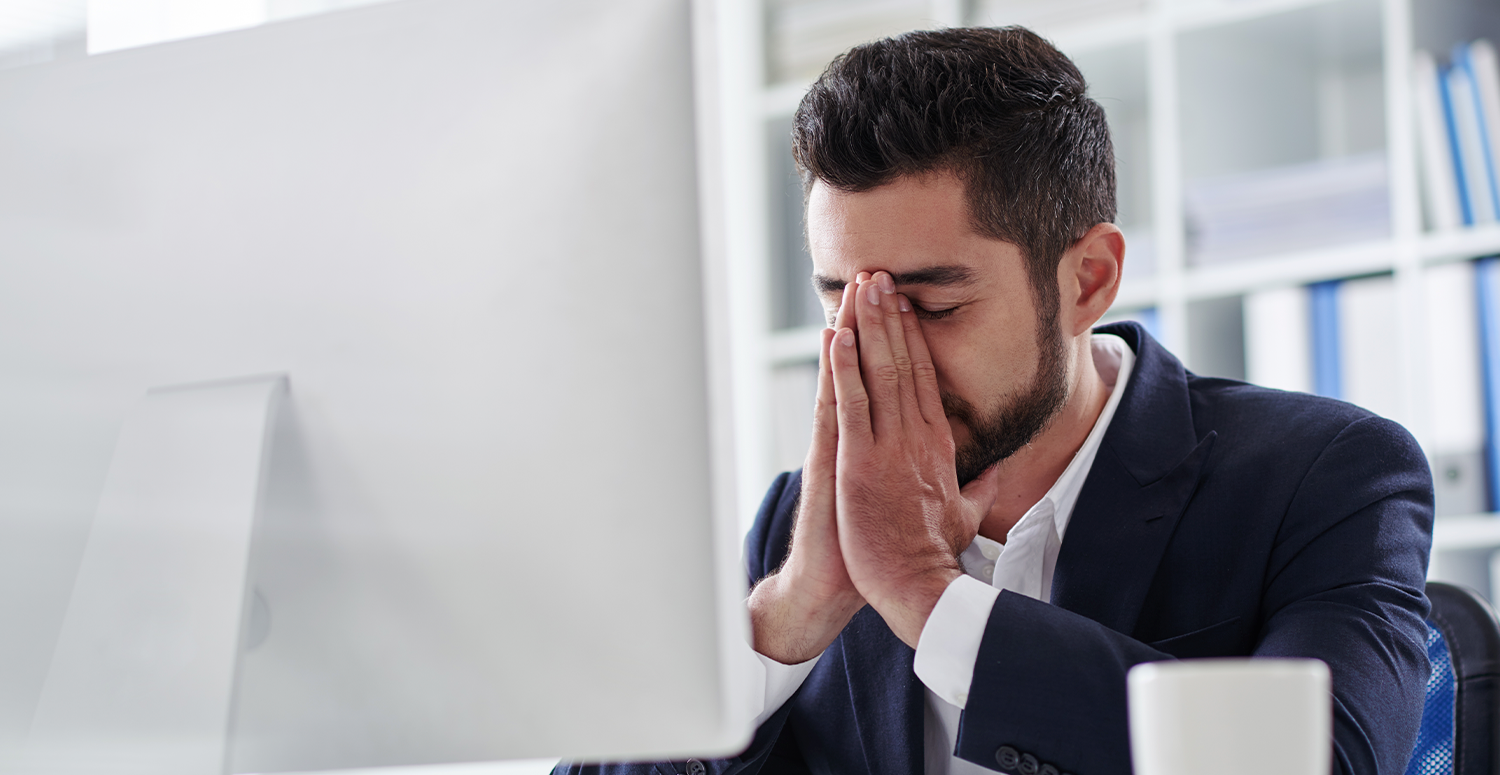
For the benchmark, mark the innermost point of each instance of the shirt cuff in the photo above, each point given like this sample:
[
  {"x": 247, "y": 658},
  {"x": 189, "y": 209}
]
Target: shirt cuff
[
  {"x": 949, "y": 644},
  {"x": 772, "y": 683},
  {"x": 782, "y": 681}
]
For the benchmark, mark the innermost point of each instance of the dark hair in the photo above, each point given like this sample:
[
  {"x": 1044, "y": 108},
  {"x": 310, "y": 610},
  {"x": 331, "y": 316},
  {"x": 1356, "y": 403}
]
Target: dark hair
[{"x": 1001, "y": 108}]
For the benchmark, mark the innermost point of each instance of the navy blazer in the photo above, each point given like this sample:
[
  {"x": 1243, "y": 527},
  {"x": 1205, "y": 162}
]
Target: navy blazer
[{"x": 1218, "y": 519}]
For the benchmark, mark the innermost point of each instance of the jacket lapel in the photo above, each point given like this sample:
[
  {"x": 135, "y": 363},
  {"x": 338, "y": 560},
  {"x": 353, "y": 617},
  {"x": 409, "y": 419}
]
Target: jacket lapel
[
  {"x": 1145, "y": 474},
  {"x": 886, "y": 695}
]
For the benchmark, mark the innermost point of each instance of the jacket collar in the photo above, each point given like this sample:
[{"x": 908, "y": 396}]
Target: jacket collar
[{"x": 1145, "y": 474}]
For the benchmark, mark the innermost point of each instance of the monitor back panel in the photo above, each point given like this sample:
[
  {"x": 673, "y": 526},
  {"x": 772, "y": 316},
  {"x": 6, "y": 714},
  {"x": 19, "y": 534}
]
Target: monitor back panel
[{"x": 468, "y": 233}]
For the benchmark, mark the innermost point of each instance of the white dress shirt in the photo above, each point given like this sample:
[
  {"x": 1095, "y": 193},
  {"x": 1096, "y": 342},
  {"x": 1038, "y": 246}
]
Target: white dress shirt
[{"x": 949, "y": 643}]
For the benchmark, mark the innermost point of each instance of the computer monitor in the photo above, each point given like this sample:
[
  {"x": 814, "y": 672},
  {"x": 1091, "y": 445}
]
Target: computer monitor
[{"x": 363, "y": 394}]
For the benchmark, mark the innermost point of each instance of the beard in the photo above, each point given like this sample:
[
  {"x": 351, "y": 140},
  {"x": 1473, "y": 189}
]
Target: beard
[{"x": 997, "y": 435}]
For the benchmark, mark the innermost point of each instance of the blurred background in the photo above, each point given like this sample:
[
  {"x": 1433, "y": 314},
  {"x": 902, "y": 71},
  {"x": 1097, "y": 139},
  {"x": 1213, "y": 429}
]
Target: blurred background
[{"x": 1308, "y": 190}]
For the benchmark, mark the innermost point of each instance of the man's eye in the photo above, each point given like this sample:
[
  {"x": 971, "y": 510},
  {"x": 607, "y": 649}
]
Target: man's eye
[{"x": 931, "y": 314}]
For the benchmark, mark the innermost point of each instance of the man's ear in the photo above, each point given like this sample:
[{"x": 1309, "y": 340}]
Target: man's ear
[{"x": 1088, "y": 277}]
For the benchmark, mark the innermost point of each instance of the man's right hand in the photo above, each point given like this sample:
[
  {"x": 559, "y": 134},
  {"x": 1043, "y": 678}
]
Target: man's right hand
[{"x": 796, "y": 612}]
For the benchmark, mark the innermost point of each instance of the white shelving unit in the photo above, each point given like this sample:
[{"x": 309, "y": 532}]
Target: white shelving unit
[{"x": 1193, "y": 89}]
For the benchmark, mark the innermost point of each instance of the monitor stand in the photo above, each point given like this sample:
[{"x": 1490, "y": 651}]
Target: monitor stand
[{"x": 143, "y": 670}]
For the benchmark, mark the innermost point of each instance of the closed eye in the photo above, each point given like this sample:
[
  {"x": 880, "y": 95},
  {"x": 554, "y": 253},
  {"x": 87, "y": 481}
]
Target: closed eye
[
  {"x": 931, "y": 314},
  {"x": 922, "y": 313}
]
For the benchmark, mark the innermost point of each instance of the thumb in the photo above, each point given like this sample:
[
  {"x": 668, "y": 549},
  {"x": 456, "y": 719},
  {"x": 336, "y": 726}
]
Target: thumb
[{"x": 984, "y": 490}]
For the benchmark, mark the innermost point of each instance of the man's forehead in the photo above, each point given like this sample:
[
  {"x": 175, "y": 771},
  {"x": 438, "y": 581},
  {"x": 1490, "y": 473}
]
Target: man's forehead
[
  {"x": 933, "y": 203},
  {"x": 917, "y": 228}
]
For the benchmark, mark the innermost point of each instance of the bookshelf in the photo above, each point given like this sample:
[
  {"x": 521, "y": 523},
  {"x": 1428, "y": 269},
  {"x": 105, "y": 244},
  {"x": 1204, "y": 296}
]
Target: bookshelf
[{"x": 1197, "y": 91}]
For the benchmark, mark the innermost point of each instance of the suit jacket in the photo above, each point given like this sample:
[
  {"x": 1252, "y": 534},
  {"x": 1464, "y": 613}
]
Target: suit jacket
[{"x": 1218, "y": 519}]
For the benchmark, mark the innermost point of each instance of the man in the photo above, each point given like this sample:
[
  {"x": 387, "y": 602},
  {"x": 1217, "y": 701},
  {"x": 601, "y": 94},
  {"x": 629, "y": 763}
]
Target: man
[{"x": 1002, "y": 511}]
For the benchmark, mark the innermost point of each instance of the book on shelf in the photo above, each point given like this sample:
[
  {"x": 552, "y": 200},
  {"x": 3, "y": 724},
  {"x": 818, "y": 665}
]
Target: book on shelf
[
  {"x": 1484, "y": 69},
  {"x": 1439, "y": 176},
  {"x": 1295, "y": 338},
  {"x": 1278, "y": 347},
  {"x": 1487, "y": 281},
  {"x": 1456, "y": 435},
  {"x": 1351, "y": 334},
  {"x": 1338, "y": 339},
  {"x": 1458, "y": 129},
  {"x": 1324, "y": 339},
  {"x": 1368, "y": 333},
  {"x": 1297, "y": 207},
  {"x": 1469, "y": 144}
]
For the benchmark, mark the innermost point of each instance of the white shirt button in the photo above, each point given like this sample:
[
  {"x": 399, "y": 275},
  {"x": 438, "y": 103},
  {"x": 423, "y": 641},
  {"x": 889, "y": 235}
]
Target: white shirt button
[
  {"x": 989, "y": 570},
  {"x": 990, "y": 551}
]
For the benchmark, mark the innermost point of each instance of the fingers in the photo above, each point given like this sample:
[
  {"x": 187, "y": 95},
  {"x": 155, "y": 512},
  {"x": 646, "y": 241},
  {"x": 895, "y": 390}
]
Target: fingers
[
  {"x": 825, "y": 417},
  {"x": 845, "y": 316},
  {"x": 853, "y": 403},
  {"x": 842, "y": 318},
  {"x": 924, "y": 374},
  {"x": 884, "y": 362},
  {"x": 849, "y": 387},
  {"x": 907, "y": 410},
  {"x": 825, "y": 420}
]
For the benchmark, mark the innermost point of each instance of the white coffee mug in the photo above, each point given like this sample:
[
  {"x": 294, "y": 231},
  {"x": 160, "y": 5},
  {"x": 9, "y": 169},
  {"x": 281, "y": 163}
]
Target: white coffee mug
[{"x": 1231, "y": 717}]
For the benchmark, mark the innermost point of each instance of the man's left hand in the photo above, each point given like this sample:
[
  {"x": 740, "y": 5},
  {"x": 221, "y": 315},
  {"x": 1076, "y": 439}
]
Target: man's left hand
[{"x": 902, "y": 518}]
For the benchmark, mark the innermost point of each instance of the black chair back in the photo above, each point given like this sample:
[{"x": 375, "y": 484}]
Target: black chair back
[{"x": 1460, "y": 732}]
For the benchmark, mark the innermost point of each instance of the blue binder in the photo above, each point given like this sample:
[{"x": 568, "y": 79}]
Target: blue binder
[
  {"x": 1453, "y": 145},
  {"x": 1487, "y": 282},
  {"x": 1463, "y": 60},
  {"x": 1323, "y": 326}
]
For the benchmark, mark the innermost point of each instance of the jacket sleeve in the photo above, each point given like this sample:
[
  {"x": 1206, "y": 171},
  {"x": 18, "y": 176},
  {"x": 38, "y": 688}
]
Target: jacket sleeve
[
  {"x": 765, "y": 548},
  {"x": 1344, "y": 584}
]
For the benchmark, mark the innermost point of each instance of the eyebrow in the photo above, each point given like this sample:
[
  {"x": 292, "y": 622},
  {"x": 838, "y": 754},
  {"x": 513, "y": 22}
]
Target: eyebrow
[{"x": 937, "y": 276}]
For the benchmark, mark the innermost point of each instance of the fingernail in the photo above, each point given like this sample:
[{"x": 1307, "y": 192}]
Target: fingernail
[
  {"x": 886, "y": 283},
  {"x": 873, "y": 294},
  {"x": 903, "y": 303},
  {"x": 863, "y": 277},
  {"x": 846, "y": 337}
]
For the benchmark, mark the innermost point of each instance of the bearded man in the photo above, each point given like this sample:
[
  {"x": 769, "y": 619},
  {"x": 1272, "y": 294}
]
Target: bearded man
[{"x": 1003, "y": 510}]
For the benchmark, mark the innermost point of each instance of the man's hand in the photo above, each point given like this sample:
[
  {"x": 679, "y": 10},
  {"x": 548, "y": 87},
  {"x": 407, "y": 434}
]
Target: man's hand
[
  {"x": 797, "y": 612},
  {"x": 902, "y": 519}
]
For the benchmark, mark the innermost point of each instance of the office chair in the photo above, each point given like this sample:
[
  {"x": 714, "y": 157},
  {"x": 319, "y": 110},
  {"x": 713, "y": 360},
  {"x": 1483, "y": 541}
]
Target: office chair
[{"x": 1458, "y": 735}]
